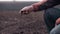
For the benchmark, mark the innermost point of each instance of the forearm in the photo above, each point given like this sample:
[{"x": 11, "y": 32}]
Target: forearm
[
  {"x": 36, "y": 5},
  {"x": 45, "y": 5}
]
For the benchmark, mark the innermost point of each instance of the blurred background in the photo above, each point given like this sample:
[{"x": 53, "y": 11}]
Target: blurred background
[
  {"x": 15, "y": 4},
  {"x": 11, "y": 22}
]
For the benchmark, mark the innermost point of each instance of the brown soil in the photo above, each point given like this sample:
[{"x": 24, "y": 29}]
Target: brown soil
[{"x": 14, "y": 23}]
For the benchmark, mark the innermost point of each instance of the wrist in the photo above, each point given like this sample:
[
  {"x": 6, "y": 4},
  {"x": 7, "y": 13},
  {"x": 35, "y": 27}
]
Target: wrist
[{"x": 35, "y": 7}]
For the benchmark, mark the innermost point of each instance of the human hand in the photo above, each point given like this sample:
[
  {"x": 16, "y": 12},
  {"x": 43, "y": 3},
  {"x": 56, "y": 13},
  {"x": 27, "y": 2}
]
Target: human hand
[{"x": 26, "y": 10}]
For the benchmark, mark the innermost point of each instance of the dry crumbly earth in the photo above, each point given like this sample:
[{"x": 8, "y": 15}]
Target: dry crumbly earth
[{"x": 14, "y": 23}]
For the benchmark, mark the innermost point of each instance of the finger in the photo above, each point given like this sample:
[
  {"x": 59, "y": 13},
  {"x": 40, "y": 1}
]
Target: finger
[
  {"x": 25, "y": 12},
  {"x": 21, "y": 12}
]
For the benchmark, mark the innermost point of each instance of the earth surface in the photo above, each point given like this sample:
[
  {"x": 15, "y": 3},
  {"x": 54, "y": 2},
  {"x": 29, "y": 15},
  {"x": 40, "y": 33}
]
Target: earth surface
[{"x": 11, "y": 22}]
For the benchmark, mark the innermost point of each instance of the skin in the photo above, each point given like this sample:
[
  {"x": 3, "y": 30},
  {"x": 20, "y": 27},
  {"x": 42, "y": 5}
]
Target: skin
[
  {"x": 31, "y": 8},
  {"x": 57, "y": 21}
]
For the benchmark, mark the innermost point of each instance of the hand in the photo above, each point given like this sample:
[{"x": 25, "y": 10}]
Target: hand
[
  {"x": 26, "y": 10},
  {"x": 57, "y": 21}
]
